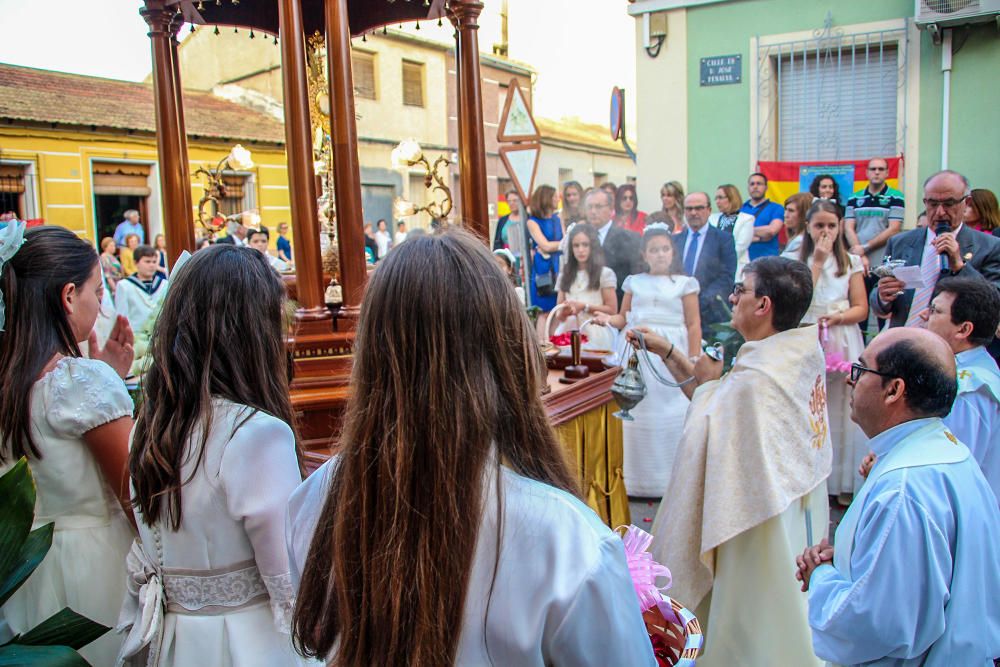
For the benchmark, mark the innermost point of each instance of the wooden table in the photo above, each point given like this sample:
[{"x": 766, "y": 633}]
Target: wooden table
[{"x": 580, "y": 413}]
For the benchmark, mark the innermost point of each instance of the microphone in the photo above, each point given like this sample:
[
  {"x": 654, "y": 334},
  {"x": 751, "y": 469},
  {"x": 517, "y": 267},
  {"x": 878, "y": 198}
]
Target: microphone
[{"x": 943, "y": 228}]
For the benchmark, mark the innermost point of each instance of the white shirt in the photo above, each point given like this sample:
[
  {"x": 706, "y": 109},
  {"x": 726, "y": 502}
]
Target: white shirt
[
  {"x": 399, "y": 238},
  {"x": 602, "y": 232},
  {"x": 561, "y": 595},
  {"x": 691, "y": 238}
]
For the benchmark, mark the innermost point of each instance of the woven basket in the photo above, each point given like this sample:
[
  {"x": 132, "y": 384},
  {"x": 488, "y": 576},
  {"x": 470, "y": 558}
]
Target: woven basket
[{"x": 677, "y": 636}]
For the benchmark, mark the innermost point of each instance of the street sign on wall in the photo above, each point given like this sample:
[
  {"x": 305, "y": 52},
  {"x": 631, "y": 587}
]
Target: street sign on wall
[{"x": 721, "y": 70}]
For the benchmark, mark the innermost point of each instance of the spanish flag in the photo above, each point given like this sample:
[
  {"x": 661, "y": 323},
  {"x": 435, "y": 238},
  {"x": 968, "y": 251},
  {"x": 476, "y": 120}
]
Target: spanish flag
[{"x": 784, "y": 179}]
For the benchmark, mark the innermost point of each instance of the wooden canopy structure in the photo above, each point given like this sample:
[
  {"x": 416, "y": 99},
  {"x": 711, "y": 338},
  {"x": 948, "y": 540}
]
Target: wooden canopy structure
[{"x": 291, "y": 21}]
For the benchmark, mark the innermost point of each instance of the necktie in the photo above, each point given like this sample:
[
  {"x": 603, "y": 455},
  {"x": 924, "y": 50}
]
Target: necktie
[
  {"x": 930, "y": 269},
  {"x": 691, "y": 254}
]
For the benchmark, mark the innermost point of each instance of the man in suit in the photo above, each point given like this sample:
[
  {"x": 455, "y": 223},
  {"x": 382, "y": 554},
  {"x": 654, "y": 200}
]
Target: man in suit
[
  {"x": 959, "y": 251},
  {"x": 710, "y": 256},
  {"x": 621, "y": 247}
]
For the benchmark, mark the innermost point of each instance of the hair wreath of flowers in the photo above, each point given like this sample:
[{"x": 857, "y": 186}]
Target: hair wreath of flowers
[
  {"x": 656, "y": 226},
  {"x": 11, "y": 240}
]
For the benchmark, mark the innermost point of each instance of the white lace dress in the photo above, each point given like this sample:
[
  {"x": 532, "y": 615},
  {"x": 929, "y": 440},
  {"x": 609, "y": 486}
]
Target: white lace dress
[
  {"x": 85, "y": 567},
  {"x": 830, "y": 296},
  {"x": 650, "y": 442},
  {"x": 599, "y": 338},
  {"x": 223, "y": 577}
]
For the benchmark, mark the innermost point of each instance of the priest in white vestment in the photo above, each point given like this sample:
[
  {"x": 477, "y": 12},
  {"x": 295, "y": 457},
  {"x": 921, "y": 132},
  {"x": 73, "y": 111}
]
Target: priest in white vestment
[
  {"x": 966, "y": 313},
  {"x": 749, "y": 489},
  {"x": 914, "y": 576}
]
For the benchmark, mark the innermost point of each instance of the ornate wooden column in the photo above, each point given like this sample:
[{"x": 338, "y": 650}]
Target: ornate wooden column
[
  {"x": 298, "y": 151},
  {"x": 175, "y": 70},
  {"x": 175, "y": 183},
  {"x": 464, "y": 15},
  {"x": 346, "y": 168}
]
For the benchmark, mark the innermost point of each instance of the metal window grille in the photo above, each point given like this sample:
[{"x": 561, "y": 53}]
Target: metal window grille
[
  {"x": 832, "y": 97},
  {"x": 413, "y": 84}
]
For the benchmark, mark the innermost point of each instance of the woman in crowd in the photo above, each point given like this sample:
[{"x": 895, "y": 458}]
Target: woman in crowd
[
  {"x": 666, "y": 301},
  {"x": 510, "y": 227},
  {"x": 612, "y": 190},
  {"x": 213, "y": 463},
  {"x": 283, "y": 245},
  {"x": 110, "y": 265},
  {"x": 795, "y": 222},
  {"x": 983, "y": 213},
  {"x": 627, "y": 213},
  {"x": 160, "y": 245},
  {"x": 825, "y": 186},
  {"x": 546, "y": 233},
  {"x": 586, "y": 286},
  {"x": 572, "y": 204},
  {"x": 839, "y": 303},
  {"x": 672, "y": 211},
  {"x": 70, "y": 416},
  {"x": 125, "y": 254},
  {"x": 731, "y": 220},
  {"x": 451, "y": 533}
]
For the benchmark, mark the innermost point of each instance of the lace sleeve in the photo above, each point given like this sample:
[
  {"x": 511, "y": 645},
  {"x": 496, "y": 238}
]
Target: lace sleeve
[
  {"x": 259, "y": 472},
  {"x": 282, "y": 594},
  {"x": 84, "y": 394}
]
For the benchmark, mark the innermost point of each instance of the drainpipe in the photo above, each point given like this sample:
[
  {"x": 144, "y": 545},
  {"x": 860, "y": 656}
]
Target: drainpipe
[{"x": 945, "y": 94}]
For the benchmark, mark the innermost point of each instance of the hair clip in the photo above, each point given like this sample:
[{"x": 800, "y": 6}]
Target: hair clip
[
  {"x": 656, "y": 226},
  {"x": 11, "y": 240}
]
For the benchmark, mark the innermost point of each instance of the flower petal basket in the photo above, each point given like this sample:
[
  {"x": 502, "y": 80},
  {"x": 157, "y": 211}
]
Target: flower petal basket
[{"x": 675, "y": 633}]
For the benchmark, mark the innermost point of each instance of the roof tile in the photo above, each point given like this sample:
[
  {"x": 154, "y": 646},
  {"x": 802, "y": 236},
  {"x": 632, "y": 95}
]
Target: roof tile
[{"x": 44, "y": 96}]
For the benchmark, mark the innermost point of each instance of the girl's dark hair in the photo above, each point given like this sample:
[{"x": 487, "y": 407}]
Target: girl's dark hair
[
  {"x": 648, "y": 234},
  {"x": 594, "y": 264},
  {"x": 629, "y": 189},
  {"x": 839, "y": 243},
  {"x": 814, "y": 186},
  {"x": 220, "y": 334},
  {"x": 36, "y": 326},
  {"x": 388, "y": 570}
]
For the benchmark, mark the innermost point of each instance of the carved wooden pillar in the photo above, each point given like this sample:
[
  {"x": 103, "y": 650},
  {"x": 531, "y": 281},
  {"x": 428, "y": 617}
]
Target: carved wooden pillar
[
  {"x": 464, "y": 15},
  {"x": 346, "y": 168},
  {"x": 175, "y": 73},
  {"x": 298, "y": 151},
  {"x": 175, "y": 183}
]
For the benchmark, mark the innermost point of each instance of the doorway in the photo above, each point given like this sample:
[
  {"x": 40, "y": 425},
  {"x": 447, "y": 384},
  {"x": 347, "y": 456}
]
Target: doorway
[{"x": 110, "y": 211}]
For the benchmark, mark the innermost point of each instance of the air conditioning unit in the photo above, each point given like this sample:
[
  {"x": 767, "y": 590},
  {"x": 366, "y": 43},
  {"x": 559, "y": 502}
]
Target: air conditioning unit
[{"x": 948, "y": 13}]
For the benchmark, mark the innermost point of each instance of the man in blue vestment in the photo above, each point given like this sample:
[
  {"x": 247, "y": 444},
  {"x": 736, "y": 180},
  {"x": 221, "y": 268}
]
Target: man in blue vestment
[
  {"x": 915, "y": 576},
  {"x": 965, "y": 313}
]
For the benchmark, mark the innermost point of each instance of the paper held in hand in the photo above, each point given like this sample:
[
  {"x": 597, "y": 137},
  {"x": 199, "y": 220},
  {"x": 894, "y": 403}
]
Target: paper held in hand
[{"x": 910, "y": 276}]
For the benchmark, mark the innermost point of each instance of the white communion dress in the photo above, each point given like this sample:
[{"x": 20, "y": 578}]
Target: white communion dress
[
  {"x": 599, "y": 338},
  {"x": 560, "y": 594},
  {"x": 223, "y": 577},
  {"x": 650, "y": 442},
  {"x": 843, "y": 342},
  {"x": 85, "y": 567}
]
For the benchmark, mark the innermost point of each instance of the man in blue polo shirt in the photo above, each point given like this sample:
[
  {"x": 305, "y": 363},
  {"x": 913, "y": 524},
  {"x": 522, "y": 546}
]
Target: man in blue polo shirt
[{"x": 768, "y": 218}]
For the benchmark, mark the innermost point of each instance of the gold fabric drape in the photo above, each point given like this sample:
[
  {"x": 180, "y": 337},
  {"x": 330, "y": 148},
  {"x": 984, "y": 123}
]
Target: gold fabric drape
[{"x": 593, "y": 443}]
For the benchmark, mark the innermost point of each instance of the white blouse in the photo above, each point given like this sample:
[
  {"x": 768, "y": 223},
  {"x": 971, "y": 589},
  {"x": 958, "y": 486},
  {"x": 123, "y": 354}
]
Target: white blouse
[{"x": 562, "y": 594}]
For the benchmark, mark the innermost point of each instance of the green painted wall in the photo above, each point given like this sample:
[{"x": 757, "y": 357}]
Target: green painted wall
[
  {"x": 975, "y": 106},
  {"x": 719, "y": 116}
]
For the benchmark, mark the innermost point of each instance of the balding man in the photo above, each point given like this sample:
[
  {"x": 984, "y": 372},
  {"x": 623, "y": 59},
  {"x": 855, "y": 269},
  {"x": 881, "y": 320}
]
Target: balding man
[
  {"x": 915, "y": 577},
  {"x": 945, "y": 247}
]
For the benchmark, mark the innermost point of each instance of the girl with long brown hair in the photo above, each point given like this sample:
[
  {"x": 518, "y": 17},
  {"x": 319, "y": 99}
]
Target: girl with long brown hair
[
  {"x": 213, "y": 463},
  {"x": 70, "y": 416},
  {"x": 586, "y": 287},
  {"x": 447, "y": 530},
  {"x": 839, "y": 303}
]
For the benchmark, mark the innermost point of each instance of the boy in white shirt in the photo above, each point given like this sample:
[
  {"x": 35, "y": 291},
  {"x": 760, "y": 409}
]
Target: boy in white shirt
[
  {"x": 258, "y": 240},
  {"x": 140, "y": 294}
]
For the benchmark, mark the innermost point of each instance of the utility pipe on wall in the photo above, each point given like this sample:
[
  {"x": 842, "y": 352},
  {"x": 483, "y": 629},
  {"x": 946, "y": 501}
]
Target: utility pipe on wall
[{"x": 945, "y": 94}]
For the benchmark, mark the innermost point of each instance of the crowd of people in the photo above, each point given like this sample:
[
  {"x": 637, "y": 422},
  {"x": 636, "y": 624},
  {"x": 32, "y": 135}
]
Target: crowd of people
[{"x": 448, "y": 528}]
